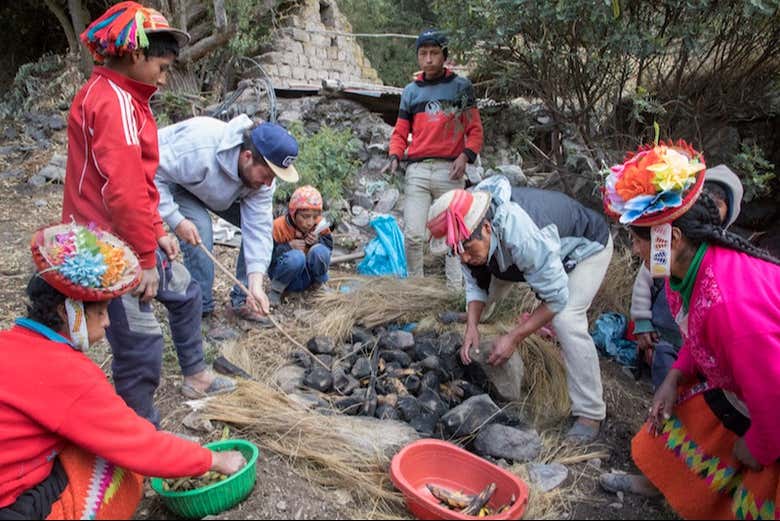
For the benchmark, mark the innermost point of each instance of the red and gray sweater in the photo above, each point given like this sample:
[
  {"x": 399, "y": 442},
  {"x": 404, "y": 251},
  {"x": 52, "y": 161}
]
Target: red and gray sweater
[
  {"x": 52, "y": 395},
  {"x": 442, "y": 117},
  {"x": 112, "y": 160}
]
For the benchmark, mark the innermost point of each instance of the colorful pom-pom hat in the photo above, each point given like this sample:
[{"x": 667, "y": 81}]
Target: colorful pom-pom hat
[
  {"x": 85, "y": 263},
  {"x": 653, "y": 187}
]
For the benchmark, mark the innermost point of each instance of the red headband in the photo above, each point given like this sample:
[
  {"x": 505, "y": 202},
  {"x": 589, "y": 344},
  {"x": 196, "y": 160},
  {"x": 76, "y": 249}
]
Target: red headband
[{"x": 451, "y": 221}]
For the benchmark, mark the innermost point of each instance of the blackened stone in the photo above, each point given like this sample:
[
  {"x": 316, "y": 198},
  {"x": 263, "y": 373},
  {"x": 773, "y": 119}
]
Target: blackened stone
[
  {"x": 344, "y": 383},
  {"x": 474, "y": 413},
  {"x": 351, "y": 405},
  {"x": 424, "y": 423},
  {"x": 319, "y": 379},
  {"x": 450, "y": 343},
  {"x": 301, "y": 358},
  {"x": 392, "y": 367},
  {"x": 432, "y": 403},
  {"x": 384, "y": 387},
  {"x": 469, "y": 390},
  {"x": 450, "y": 368},
  {"x": 323, "y": 345},
  {"x": 385, "y": 412},
  {"x": 412, "y": 383},
  {"x": 362, "y": 368},
  {"x": 327, "y": 360},
  {"x": 476, "y": 375},
  {"x": 500, "y": 441},
  {"x": 424, "y": 348},
  {"x": 56, "y": 122},
  {"x": 397, "y": 340},
  {"x": 361, "y": 335},
  {"x": 429, "y": 363},
  {"x": 398, "y": 356},
  {"x": 408, "y": 408},
  {"x": 430, "y": 380}
]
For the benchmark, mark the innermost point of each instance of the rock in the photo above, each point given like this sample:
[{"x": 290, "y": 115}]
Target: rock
[
  {"x": 430, "y": 380},
  {"x": 507, "y": 378},
  {"x": 396, "y": 340},
  {"x": 350, "y": 405},
  {"x": 281, "y": 506},
  {"x": 301, "y": 358},
  {"x": 387, "y": 200},
  {"x": 450, "y": 367},
  {"x": 424, "y": 423},
  {"x": 56, "y": 122},
  {"x": 59, "y": 160},
  {"x": 449, "y": 343},
  {"x": 319, "y": 379},
  {"x": 361, "y": 335},
  {"x": 37, "y": 181},
  {"x": 500, "y": 441},
  {"x": 474, "y": 413},
  {"x": 40, "y": 203},
  {"x": 363, "y": 200},
  {"x": 398, "y": 356},
  {"x": 290, "y": 377},
  {"x": 10, "y": 133},
  {"x": 343, "y": 383},
  {"x": 385, "y": 412},
  {"x": 424, "y": 348},
  {"x": 408, "y": 408},
  {"x": 547, "y": 477},
  {"x": 323, "y": 345},
  {"x": 429, "y": 363},
  {"x": 362, "y": 368},
  {"x": 11, "y": 174},
  {"x": 431, "y": 402},
  {"x": 412, "y": 383},
  {"x": 513, "y": 173},
  {"x": 326, "y": 360},
  {"x": 469, "y": 389},
  {"x": 197, "y": 423},
  {"x": 360, "y": 217},
  {"x": 595, "y": 462}
]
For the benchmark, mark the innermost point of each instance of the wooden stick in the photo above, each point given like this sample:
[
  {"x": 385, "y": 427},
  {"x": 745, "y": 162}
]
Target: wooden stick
[{"x": 246, "y": 290}]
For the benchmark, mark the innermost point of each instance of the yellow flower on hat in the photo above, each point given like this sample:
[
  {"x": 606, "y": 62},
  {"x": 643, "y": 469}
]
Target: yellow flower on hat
[{"x": 675, "y": 171}]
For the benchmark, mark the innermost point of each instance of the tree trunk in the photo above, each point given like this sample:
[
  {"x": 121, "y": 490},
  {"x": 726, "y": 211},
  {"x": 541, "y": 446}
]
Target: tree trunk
[
  {"x": 67, "y": 26},
  {"x": 79, "y": 17}
]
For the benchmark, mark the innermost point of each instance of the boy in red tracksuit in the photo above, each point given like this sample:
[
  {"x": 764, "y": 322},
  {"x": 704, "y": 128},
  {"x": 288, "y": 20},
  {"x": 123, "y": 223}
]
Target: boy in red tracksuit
[
  {"x": 439, "y": 110},
  {"x": 112, "y": 160}
]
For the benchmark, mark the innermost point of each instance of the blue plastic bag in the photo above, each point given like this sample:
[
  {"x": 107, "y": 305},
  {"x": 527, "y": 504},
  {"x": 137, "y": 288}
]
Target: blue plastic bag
[
  {"x": 385, "y": 254},
  {"x": 609, "y": 336}
]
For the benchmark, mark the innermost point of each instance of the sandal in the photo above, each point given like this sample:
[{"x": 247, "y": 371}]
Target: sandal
[{"x": 220, "y": 385}]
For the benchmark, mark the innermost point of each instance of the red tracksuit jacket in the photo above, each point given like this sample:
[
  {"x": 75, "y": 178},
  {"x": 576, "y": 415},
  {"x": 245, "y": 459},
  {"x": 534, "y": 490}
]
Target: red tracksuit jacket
[{"x": 112, "y": 160}]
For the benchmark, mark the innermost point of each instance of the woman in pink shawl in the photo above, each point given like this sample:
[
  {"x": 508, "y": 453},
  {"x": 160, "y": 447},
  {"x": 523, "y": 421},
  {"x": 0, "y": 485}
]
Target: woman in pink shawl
[{"x": 711, "y": 444}]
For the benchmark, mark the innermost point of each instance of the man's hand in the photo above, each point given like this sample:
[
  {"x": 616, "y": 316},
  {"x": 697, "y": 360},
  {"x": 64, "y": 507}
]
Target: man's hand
[
  {"x": 311, "y": 239},
  {"x": 169, "y": 245},
  {"x": 188, "y": 232},
  {"x": 503, "y": 348},
  {"x": 470, "y": 339},
  {"x": 258, "y": 300},
  {"x": 458, "y": 168},
  {"x": 742, "y": 453},
  {"x": 147, "y": 289},
  {"x": 227, "y": 462},
  {"x": 392, "y": 166},
  {"x": 298, "y": 244}
]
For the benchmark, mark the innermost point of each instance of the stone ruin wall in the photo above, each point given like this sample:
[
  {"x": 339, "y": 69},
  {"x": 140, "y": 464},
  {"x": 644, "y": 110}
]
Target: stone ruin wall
[{"x": 302, "y": 54}]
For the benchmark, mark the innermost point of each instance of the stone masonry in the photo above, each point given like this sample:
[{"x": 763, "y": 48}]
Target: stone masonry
[{"x": 305, "y": 51}]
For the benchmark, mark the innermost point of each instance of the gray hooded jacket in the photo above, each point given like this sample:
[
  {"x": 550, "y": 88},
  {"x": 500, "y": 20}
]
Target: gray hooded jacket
[{"x": 200, "y": 155}]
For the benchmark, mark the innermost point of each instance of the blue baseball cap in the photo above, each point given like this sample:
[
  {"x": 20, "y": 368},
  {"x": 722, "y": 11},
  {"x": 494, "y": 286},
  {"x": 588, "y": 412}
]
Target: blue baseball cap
[
  {"x": 432, "y": 37},
  {"x": 279, "y": 148}
]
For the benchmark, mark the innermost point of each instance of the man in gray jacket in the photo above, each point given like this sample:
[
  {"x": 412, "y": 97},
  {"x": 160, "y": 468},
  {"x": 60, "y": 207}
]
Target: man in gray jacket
[
  {"x": 560, "y": 248},
  {"x": 229, "y": 169}
]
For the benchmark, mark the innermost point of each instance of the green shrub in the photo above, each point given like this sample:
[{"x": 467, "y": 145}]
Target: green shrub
[
  {"x": 754, "y": 170},
  {"x": 326, "y": 160}
]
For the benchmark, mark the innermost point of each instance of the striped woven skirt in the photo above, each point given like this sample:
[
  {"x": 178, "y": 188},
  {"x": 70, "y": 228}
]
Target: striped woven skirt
[{"x": 691, "y": 461}]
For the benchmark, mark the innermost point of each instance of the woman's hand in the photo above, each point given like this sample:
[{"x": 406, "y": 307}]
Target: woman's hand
[
  {"x": 742, "y": 453},
  {"x": 663, "y": 401},
  {"x": 227, "y": 462}
]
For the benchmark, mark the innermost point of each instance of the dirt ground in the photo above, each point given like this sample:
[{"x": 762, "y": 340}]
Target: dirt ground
[{"x": 281, "y": 490}]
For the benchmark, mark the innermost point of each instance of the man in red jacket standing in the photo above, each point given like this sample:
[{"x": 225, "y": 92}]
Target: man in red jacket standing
[
  {"x": 439, "y": 110},
  {"x": 112, "y": 160}
]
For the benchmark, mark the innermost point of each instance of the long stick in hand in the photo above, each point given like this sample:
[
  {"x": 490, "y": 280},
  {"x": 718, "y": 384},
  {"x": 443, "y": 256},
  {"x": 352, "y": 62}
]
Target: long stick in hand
[{"x": 246, "y": 290}]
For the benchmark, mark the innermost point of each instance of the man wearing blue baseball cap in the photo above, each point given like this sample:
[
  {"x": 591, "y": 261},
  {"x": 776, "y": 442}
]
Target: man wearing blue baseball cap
[
  {"x": 228, "y": 169},
  {"x": 439, "y": 110}
]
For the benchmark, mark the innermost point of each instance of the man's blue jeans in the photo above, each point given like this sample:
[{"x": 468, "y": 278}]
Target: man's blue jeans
[
  {"x": 296, "y": 271},
  {"x": 198, "y": 263}
]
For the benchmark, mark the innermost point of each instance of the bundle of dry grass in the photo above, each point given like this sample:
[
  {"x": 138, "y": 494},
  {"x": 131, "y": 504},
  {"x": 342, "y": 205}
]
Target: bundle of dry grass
[
  {"x": 545, "y": 378},
  {"x": 324, "y": 453},
  {"x": 373, "y": 301}
]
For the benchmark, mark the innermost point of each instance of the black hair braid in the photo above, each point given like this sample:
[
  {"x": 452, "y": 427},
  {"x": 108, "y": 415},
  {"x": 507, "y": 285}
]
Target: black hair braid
[
  {"x": 702, "y": 224},
  {"x": 43, "y": 304}
]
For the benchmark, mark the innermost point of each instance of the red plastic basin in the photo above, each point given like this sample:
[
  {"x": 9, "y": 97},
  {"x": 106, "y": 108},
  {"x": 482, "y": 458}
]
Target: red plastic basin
[{"x": 446, "y": 465}]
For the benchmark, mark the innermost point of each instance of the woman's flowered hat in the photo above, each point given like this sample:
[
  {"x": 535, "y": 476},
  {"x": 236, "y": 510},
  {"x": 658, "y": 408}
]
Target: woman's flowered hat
[
  {"x": 654, "y": 185},
  {"x": 85, "y": 263}
]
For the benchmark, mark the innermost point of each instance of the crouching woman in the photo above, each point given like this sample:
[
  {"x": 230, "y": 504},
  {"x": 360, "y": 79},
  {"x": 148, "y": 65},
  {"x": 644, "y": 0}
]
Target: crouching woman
[{"x": 71, "y": 447}]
